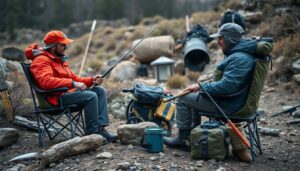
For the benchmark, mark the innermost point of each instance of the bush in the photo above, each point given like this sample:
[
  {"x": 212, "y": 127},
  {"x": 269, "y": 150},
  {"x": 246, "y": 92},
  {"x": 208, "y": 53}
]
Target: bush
[
  {"x": 96, "y": 65},
  {"x": 288, "y": 47},
  {"x": 176, "y": 81}
]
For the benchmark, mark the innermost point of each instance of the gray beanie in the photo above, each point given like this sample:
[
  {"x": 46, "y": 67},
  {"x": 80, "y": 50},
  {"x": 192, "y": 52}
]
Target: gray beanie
[{"x": 231, "y": 32}]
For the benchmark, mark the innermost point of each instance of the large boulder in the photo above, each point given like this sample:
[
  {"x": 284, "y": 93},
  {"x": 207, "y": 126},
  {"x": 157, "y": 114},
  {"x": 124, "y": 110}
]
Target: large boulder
[
  {"x": 14, "y": 54},
  {"x": 8, "y": 136},
  {"x": 153, "y": 48},
  {"x": 126, "y": 70},
  {"x": 133, "y": 133}
]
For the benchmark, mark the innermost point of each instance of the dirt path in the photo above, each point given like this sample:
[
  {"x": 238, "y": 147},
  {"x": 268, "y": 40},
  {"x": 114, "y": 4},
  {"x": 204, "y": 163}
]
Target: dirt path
[{"x": 279, "y": 153}]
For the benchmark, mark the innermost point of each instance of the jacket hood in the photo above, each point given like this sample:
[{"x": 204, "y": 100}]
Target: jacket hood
[
  {"x": 34, "y": 50},
  {"x": 245, "y": 45}
]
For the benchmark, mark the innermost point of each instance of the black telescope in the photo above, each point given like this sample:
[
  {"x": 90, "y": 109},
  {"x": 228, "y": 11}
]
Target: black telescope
[{"x": 195, "y": 49}]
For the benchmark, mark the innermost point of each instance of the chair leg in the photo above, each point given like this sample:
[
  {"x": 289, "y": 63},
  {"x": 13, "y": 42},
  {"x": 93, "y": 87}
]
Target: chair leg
[
  {"x": 251, "y": 141},
  {"x": 257, "y": 136},
  {"x": 40, "y": 131}
]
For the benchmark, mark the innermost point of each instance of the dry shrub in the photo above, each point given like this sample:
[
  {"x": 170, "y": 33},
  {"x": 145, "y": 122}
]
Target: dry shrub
[
  {"x": 20, "y": 95},
  {"x": 231, "y": 4},
  {"x": 96, "y": 65},
  {"x": 108, "y": 30},
  {"x": 193, "y": 76},
  {"x": 177, "y": 81},
  {"x": 150, "y": 21},
  {"x": 114, "y": 88},
  {"x": 138, "y": 33},
  {"x": 110, "y": 44},
  {"x": 205, "y": 17},
  {"x": 175, "y": 28},
  {"x": 288, "y": 47}
]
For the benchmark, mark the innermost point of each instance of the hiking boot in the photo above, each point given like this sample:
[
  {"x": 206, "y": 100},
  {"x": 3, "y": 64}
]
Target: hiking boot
[
  {"x": 108, "y": 136},
  {"x": 179, "y": 142},
  {"x": 238, "y": 148}
]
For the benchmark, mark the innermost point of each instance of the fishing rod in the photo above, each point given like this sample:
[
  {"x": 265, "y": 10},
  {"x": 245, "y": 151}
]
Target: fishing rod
[{"x": 127, "y": 53}]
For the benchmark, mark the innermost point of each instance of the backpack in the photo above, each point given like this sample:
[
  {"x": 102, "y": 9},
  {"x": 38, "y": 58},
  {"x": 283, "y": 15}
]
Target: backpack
[
  {"x": 151, "y": 95},
  {"x": 209, "y": 141},
  {"x": 233, "y": 17}
]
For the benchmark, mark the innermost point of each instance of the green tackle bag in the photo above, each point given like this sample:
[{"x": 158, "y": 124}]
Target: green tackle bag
[{"x": 209, "y": 141}]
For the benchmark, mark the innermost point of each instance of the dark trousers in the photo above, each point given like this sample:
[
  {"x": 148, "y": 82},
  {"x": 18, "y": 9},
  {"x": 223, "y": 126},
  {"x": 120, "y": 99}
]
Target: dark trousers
[{"x": 94, "y": 102}]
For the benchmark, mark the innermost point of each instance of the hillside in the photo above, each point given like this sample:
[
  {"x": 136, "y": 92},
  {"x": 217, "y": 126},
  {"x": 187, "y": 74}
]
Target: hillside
[{"x": 111, "y": 39}]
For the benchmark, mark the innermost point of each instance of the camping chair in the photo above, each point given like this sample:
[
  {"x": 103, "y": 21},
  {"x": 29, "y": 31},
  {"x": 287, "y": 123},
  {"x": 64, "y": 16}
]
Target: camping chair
[
  {"x": 65, "y": 121},
  {"x": 248, "y": 113}
]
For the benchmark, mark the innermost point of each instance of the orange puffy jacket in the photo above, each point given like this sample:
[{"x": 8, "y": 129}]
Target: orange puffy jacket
[{"x": 51, "y": 72}]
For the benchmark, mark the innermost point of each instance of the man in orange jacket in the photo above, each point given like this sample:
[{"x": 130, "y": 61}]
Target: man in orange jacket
[{"x": 50, "y": 70}]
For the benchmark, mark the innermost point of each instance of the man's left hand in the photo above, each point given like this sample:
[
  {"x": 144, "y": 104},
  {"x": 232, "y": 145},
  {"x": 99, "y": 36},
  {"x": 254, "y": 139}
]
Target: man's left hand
[{"x": 98, "y": 79}]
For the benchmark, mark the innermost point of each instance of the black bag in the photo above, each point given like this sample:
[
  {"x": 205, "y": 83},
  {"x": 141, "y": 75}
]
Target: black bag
[{"x": 148, "y": 94}]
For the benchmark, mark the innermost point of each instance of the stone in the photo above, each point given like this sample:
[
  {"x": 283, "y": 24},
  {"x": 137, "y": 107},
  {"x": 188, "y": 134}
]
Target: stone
[
  {"x": 296, "y": 114},
  {"x": 13, "y": 53},
  {"x": 104, "y": 155},
  {"x": 296, "y": 67},
  {"x": 268, "y": 131},
  {"x": 253, "y": 17},
  {"x": 296, "y": 77},
  {"x": 221, "y": 168},
  {"x": 74, "y": 146},
  {"x": 125, "y": 70},
  {"x": 133, "y": 133},
  {"x": 8, "y": 136},
  {"x": 18, "y": 167},
  {"x": 130, "y": 147}
]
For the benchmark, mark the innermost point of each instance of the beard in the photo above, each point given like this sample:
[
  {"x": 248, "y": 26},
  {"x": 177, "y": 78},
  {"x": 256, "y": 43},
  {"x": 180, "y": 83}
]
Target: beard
[{"x": 59, "y": 54}]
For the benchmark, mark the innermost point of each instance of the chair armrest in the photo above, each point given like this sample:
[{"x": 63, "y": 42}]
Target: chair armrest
[{"x": 61, "y": 89}]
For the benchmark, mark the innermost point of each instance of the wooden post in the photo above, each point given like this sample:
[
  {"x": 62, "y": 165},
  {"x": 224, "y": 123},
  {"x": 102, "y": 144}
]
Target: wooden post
[
  {"x": 7, "y": 105},
  {"x": 87, "y": 47}
]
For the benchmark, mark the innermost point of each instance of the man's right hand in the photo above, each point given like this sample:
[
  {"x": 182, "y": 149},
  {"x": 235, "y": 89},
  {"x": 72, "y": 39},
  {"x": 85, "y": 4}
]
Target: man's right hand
[
  {"x": 192, "y": 88},
  {"x": 80, "y": 85}
]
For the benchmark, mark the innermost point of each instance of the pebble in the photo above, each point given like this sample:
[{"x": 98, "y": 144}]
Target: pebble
[
  {"x": 52, "y": 165},
  {"x": 104, "y": 155},
  {"x": 153, "y": 158},
  {"x": 130, "y": 147},
  {"x": 221, "y": 168},
  {"x": 296, "y": 114}
]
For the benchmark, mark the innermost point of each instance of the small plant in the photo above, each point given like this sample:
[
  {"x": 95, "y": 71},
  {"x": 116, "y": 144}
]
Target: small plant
[
  {"x": 176, "y": 81},
  {"x": 288, "y": 47},
  {"x": 96, "y": 65}
]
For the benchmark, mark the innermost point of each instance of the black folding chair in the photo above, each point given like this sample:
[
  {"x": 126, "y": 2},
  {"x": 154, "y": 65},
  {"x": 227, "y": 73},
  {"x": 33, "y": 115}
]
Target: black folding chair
[
  {"x": 248, "y": 113},
  {"x": 64, "y": 121}
]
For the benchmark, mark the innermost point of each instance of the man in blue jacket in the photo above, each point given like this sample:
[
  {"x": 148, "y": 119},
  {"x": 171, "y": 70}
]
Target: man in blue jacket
[{"x": 234, "y": 75}]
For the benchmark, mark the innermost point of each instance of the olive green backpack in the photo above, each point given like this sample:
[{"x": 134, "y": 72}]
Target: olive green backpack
[{"x": 209, "y": 141}]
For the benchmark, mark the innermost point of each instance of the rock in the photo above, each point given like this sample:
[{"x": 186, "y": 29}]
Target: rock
[
  {"x": 104, "y": 155},
  {"x": 75, "y": 146},
  {"x": 161, "y": 155},
  {"x": 221, "y": 168},
  {"x": 253, "y": 17},
  {"x": 296, "y": 77},
  {"x": 18, "y": 167},
  {"x": 268, "y": 131},
  {"x": 130, "y": 147},
  {"x": 296, "y": 114},
  {"x": 12, "y": 53},
  {"x": 125, "y": 70},
  {"x": 179, "y": 67},
  {"x": 154, "y": 47},
  {"x": 52, "y": 165},
  {"x": 133, "y": 133},
  {"x": 8, "y": 136},
  {"x": 149, "y": 82},
  {"x": 296, "y": 67},
  {"x": 118, "y": 105},
  {"x": 153, "y": 158}
]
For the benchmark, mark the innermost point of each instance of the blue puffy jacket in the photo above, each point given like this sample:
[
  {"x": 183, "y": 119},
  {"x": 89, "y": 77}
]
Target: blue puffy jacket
[{"x": 236, "y": 72}]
